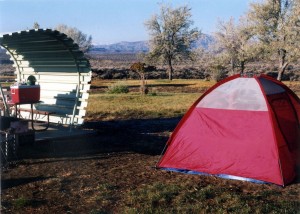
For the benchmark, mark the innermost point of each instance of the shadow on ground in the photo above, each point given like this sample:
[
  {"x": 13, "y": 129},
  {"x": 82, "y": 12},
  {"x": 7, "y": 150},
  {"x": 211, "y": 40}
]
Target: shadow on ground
[
  {"x": 144, "y": 136},
  {"x": 9, "y": 183}
]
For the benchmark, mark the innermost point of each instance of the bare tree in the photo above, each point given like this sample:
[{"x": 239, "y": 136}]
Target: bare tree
[
  {"x": 141, "y": 69},
  {"x": 274, "y": 23},
  {"x": 83, "y": 40},
  {"x": 171, "y": 36},
  {"x": 36, "y": 25}
]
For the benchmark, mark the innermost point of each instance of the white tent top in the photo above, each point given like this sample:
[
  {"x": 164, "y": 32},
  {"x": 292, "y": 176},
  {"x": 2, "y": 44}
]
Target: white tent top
[{"x": 241, "y": 94}]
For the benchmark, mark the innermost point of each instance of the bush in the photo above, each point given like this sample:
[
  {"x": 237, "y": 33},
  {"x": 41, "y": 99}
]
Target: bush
[
  {"x": 118, "y": 88},
  {"x": 219, "y": 74}
]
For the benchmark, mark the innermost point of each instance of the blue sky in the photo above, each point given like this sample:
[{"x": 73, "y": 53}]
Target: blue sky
[{"x": 110, "y": 21}]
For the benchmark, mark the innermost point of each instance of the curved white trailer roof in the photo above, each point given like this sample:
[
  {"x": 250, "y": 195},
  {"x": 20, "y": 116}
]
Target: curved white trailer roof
[{"x": 60, "y": 68}]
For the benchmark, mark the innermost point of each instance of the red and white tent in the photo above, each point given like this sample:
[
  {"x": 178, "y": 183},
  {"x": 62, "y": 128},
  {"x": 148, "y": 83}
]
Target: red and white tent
[{"x": 242, "y": 128}]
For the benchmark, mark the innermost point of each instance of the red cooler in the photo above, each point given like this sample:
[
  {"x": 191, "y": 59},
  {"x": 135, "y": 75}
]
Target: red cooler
[{"x": 25, "y": 93}]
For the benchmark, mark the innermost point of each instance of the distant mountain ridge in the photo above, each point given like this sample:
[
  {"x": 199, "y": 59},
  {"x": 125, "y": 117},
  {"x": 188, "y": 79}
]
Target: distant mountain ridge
[
  {"x": 122, "y": 47},
  {"x": 143, "y": 46},
  {"x": 204, "y": 41}
]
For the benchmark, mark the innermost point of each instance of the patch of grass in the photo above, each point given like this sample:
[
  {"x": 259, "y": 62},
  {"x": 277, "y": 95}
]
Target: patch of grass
[
  {"x": 99, "y": 212},
  {"x": 280, "y": 207},
  {"x": 106, "y": 194},
  {"x": 21, "y": 202},
  {"x": 118, "y": 88},
  {"x": 134, "y": 106},
  {"x": 152, "y": 198},
  {"x": 162, "y": 84},
  {"x": 152, "y": 93},
  {"x": 172, "y": 197}
]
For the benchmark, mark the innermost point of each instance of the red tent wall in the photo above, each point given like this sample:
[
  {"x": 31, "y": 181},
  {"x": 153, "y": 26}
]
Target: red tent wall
[
  {"x": 206, "y": 144},
  {"x": 285, "y": 109},
  {"x": 242, "y": 143}
]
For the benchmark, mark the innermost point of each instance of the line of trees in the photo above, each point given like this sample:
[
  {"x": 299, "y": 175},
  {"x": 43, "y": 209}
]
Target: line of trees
[
  {"x": 269, "y": 31},
  {"x": 275, "y": 26}
]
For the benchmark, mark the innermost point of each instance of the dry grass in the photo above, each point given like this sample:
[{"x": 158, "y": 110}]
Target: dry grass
[
  {"x": 158, "y": 82},
  {"x": 112, "y": 172},
  {"x": 135, "y": 106},
  {"x": 166, "y": 99},
  {"x": 124, "y": 182}
]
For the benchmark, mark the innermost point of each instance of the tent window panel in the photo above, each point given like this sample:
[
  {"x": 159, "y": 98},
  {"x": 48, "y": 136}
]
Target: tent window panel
[
  {"x": 238, "y": 94},
  {"x": 286, "y": 118},
  {"x": 271, "y": 87}
]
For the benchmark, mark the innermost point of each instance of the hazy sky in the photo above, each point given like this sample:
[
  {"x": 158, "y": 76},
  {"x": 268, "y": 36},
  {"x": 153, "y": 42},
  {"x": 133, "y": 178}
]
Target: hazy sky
[{"x": 110, "y": 21}]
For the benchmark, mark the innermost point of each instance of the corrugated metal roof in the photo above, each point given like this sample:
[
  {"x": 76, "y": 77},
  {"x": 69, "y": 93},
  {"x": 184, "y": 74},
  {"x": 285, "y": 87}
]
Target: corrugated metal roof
[
  {"x": 44, "y": 50},
  {"x": 60, "y": 68}
]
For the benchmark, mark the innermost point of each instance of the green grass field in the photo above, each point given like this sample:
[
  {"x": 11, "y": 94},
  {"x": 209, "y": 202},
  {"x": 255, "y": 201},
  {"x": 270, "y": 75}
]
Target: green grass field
[
  {"x": 135, "y": 106},
  {"x": 166, "y": 99}
]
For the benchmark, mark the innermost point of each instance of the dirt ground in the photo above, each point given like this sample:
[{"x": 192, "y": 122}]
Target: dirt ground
[
  {"x": 97, "y": 174},
  {"x": 62, "y": 176}
]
